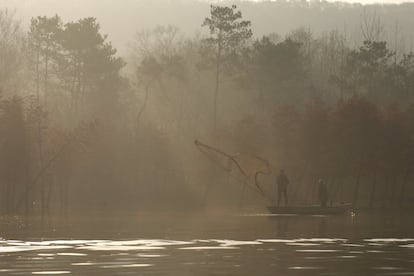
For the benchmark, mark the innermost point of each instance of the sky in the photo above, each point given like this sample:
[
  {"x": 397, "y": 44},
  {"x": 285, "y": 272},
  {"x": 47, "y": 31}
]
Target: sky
[
  {"x": 377, "y": 1},
  {"x": 357, "y": 1},
  {"x": 121, "y": 19},
  {"x": 360, "y": 1}
]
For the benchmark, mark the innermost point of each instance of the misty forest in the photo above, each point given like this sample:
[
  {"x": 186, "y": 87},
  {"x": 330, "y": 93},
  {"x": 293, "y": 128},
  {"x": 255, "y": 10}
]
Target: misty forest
[{"x": 205, "y": 120}]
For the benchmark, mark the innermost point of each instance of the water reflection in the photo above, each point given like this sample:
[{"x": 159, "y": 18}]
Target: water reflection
[
  {"x": 318, "y": 254},
  {"x": 242, "y": 245},
  {"x": 50, "y": 272},
  {"x": 304, "y": 267}
]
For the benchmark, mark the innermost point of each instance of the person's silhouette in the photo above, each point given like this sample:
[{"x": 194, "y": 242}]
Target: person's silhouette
[{"x": 282, "y": 182}]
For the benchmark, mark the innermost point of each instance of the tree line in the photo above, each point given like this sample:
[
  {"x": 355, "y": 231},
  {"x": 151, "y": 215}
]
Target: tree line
[{"x": 82, "y": 125}]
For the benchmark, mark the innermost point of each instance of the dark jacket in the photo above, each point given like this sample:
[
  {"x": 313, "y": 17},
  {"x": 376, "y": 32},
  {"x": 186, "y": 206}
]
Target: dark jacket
[{"x": 282, "y": 181}]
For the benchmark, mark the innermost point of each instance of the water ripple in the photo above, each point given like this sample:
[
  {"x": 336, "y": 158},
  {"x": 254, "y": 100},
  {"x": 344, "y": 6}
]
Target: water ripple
[{"x": 269, "y": 256}]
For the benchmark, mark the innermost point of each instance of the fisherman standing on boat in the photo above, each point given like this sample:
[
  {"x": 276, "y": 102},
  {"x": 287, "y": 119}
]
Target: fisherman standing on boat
[
  {"x": 322, "y": 193},
  {"x": 282, "y": 182}
]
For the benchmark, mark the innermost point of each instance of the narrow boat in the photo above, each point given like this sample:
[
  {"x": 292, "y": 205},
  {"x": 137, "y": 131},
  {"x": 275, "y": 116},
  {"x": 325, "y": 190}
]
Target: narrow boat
[{"x": 311, "y": 210}]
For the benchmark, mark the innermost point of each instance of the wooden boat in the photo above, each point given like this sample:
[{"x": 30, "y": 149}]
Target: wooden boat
[{"x": 311, "y": 210}]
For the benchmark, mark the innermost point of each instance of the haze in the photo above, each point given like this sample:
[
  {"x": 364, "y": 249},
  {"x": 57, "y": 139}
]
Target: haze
[
  {"x": 197, "y": 138},
  {"x": 122, "y": 21},
  {"x": 159, "y": 102}
]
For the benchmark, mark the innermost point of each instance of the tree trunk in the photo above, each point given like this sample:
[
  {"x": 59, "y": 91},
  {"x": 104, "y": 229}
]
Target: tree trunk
[
  {"x": 42, "y": 199},
  {"x": 403, "y": 186},
  {"x": 46, "y": 77},
  {"x": 64, "y": 197},
  {"x": 143, "y": 107},
  {"x": 393, "y": 191},
  {"x": 356, "y": 190},
  {"x": 49, "y": 187},
  {"x": 37, "y": 75},
  {"x": 217, "y": 85},
  {"x": 385, "y": 192},
  {"x": 373, "y": 190}
]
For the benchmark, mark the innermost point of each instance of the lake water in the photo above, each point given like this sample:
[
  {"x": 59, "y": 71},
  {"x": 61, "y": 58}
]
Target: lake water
[{"x": 178, "y": 244}]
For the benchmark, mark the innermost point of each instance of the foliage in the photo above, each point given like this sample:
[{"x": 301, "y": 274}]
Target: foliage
[
  {"x": 350, "y": 142},
  {"x": 312, "y": 104},
  {"x": 228, "y": 35},
  {"x": 270, "y": 65},
  {"x": 374, "y": 71},
  {"x": 12, "y": 52}
]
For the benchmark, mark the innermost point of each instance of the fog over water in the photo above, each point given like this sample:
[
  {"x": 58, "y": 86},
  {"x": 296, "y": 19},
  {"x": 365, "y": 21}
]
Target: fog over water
[
  {"x": 206, "y": 138},
  {"x": 149, "y": 104}
]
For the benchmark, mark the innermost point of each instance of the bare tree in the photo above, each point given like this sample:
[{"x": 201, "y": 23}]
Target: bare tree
[{"x": 371, "y": 26}]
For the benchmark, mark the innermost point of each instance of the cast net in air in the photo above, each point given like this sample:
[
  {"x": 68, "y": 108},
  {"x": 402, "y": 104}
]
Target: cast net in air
[{"x": 245, "y": 168}]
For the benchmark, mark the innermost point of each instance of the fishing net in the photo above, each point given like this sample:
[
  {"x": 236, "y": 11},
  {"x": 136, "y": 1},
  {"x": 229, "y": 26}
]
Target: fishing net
[{"x": 245, "y": 168}]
